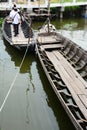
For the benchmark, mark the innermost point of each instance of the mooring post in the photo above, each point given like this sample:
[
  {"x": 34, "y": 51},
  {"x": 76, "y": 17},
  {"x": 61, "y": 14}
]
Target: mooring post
[
  {"x": 61, "y": 12},
  {"x": 46, "y": 2},
  {"x": 57, "y": 11},
  {"x": 74, "y": 1},
  {"x": 85, "y": 11},
  {"x": 10, "y": 4},
  {"x": 10, "y": 1},
  {"x": 29, "y": 3}
]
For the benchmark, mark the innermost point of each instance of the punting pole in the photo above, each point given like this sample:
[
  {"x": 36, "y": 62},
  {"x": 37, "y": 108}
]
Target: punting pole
[{"x": 48, "y": 14}]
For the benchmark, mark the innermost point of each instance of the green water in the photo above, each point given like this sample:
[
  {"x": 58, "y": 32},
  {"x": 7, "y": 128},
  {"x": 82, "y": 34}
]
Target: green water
[
  {"x": 32, "y": 104},
  {"x": 74, "y": 29}
]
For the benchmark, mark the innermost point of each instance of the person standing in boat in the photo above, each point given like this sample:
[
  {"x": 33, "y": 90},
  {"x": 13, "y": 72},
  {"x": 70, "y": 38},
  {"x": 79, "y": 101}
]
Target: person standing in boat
[
  {"x": 14, "y": 6},
  {"x": 16, "y": 20}
]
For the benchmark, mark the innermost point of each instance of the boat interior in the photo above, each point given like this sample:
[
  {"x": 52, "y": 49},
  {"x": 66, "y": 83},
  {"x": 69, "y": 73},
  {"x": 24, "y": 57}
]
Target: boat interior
[
  {"x": 25, "y": 32},
  {"x": 62, "y": 73}
]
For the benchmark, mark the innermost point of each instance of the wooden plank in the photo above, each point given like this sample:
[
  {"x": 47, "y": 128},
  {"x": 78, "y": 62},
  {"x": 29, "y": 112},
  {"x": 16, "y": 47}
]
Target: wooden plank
[
  {"x": 65, "y": 72},
  {"x": 52, "y": 46},
  {"x": 72, "y": 72},
  {"x": 83, "y": 99},
  {"x": 48, "y": 39},
  {"x": 20, "y": 39},
  {"x": 73, "y": 88}
]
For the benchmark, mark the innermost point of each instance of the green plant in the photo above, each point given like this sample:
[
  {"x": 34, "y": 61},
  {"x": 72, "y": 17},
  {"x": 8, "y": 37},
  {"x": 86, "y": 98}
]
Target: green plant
[
  {"x": 1, "y": 20},
  {"x": 71, "y": 7}
]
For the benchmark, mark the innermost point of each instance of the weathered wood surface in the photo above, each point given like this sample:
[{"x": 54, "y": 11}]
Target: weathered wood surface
[
  {"x": 50, "y": 46},
  {"x": 20, "y": 39},
  {"x": 74, "y": 82},
  {"x": 56, "y": 54},
  {"x": 48, "y": 39},
  {"x": 36, "y": 14}
]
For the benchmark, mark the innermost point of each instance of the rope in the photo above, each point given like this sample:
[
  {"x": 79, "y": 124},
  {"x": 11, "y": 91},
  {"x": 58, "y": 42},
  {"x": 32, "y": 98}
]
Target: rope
[{"x": 12, "y": 84}]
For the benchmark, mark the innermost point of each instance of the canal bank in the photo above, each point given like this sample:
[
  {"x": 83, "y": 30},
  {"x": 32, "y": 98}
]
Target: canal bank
[
  {"x": 60, "y": 9},
  {"x": 67, "y": 12}
]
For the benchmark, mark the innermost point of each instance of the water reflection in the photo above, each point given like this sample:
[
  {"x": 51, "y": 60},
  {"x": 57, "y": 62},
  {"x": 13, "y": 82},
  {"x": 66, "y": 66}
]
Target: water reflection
[
  {"x": 85, "y": 28},
  {"x": 70, "y": 24},
  {"x": 74, "y": 29},
  {"x": 27, "y": 105},
  {"x": 59, "y": 119},
  {"x": 16, "y": 57}
]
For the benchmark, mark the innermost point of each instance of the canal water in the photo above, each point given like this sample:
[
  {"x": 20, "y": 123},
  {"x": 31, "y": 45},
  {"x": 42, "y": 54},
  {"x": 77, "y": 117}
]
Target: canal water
[{"x": 32, "y": 104}]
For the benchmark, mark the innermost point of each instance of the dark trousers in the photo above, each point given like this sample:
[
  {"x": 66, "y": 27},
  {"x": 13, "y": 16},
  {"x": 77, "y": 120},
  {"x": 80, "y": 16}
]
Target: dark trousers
[{"x": 16, "y": 29}]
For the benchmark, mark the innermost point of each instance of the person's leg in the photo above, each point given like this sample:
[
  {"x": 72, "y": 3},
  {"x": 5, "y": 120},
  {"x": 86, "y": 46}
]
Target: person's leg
[
  {"x": 17, "y": 28},
  {"x": 14, "y": 25}
]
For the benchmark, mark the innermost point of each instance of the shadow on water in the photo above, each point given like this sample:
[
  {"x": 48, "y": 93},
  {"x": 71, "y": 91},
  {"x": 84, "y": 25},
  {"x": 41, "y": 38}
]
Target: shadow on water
[{"x": 17, "y": 56}]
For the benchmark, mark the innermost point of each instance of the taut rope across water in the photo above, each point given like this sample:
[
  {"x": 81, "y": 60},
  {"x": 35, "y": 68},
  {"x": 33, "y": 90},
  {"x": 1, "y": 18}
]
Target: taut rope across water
[{"x": 12, "y": 84}]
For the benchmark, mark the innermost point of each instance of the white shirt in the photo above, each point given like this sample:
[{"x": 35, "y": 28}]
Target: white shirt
[{"x": 15, "y": 16}]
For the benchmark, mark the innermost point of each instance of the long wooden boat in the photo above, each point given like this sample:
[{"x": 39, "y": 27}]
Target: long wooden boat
[
  {"x": 24, "y": 39},
  {"x": 65, "y": 65}
]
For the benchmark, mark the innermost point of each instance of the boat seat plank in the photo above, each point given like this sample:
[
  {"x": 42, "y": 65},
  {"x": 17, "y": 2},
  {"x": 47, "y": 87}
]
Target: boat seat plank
[
  {"x": 69, "y": 81},
  {"x": 52, "y": 46},
  {"x": 20, "y": 39},
  {"x": 48, "y": 39}
]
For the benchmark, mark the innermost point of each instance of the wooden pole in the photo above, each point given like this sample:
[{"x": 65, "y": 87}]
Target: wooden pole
[
  {"x": 48, "y": 14},
  {"x": 10, "y": 1},
  {"x": 48, "y": 7},
  {"x": 39, "y": 6}
]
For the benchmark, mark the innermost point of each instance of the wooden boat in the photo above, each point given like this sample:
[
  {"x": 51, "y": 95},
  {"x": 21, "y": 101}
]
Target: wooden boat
[
  {"x": 65, "y": 65},
  {"x": 23, "y": 40}
]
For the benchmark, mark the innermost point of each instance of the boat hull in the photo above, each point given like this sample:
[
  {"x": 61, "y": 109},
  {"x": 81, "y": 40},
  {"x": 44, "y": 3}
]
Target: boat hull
[
  {"x": 59, "y": 83},
  {"x": 24, "y": 39}
]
